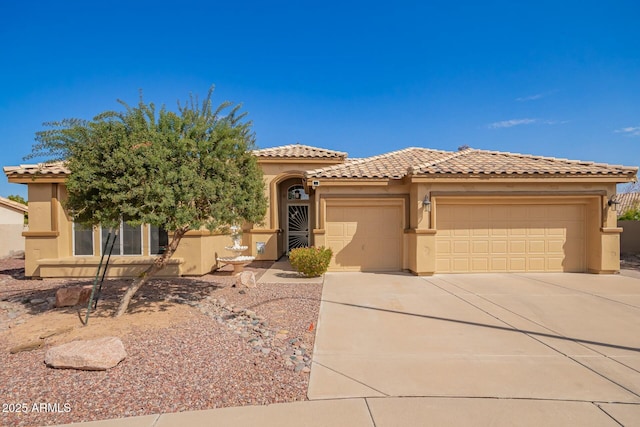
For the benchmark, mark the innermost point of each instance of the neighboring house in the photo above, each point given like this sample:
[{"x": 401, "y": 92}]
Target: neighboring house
[
  {"x": 628, "y": 201},
  {"x": 11, "y": 227},
  {"x": 630, "y": 237},
  {"x": 417, "y": 209}
]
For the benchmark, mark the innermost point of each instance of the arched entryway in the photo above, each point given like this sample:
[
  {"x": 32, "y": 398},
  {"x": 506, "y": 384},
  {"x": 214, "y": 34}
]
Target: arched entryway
[{"x": 295, "y": 214}]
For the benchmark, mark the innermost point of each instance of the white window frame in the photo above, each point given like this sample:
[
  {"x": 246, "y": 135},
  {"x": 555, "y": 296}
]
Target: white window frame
[
  {"x": 73, "y": 241},
  {"x": 120, "y": 252}
]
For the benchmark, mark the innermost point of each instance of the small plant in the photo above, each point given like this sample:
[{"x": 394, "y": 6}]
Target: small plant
[
  {"x": 632, "y": 214},
  {"x": 311, "y": 262}
]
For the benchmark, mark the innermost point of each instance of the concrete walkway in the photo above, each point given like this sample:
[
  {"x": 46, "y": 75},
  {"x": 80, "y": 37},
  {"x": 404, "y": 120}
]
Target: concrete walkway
[{"x": 452, "y": 350}]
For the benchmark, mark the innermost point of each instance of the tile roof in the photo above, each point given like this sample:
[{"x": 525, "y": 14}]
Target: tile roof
[
  {"x": 13, "y": 205},
  {"x": 299, "y": 151},
  {"x": 57, "y": 168},
  {"x": 426, "y": 162},
  {"x": 628, "y": 201},
  {"x": 392, "y": 165},
  {"x": 482, "y": 162}
]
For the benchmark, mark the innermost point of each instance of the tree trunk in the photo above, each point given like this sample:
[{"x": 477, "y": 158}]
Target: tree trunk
[{"x": 158, "y": 265}]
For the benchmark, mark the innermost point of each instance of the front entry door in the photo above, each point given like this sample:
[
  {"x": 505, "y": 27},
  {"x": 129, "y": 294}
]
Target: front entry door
[{"x": 297, "y": 226}]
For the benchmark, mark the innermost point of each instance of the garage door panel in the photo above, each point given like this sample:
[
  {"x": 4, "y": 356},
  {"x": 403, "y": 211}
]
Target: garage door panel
[
  {"x": 555, "y": 246},
  {"x": 335, "y": 229},
  {"x": 461, "y": 247},
  {"x": 499, "y": 264},
  {"x": 537, "y": 246},
  {"x": 480, "y": 247},
  {"x": 537, "y": 264},
  {"x": 479, "y": 265},
  {"x": 443, "y": 247},
  {"x": 461, "y": 264},
  {"x": 496, "y": 232},
  {"x": 517, "y": 247},
  {"x": 365, "y": 238},
  {"x": 480, "y": 231},
  {"x": 517, "y": 264},
  {"x": 502, "y": 238},
  {"x": 499, "y": 247}
]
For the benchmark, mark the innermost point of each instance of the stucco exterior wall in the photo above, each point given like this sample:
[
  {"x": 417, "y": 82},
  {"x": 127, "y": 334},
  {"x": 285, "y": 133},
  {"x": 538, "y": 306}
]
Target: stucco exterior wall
[
  {"x": 630, "y": 237},
  {"x": 49, "y": 241},
  {"x": 269, "y": 235},
  {"x": 12, "y": 239},
  {"x": 11, "y": 228},
  {"x": 602, "y": 233}
]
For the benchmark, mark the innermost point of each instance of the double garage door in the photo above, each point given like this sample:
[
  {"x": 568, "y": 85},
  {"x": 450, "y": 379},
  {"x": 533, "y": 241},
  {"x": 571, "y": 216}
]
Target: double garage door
[
  {"x": 510, "y": 238},
  {"x": 470, "y": 238}
]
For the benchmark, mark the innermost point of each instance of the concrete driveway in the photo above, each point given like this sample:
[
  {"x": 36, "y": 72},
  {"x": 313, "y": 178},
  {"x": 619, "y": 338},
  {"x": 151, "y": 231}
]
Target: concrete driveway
[{"x": 467, "y": 345}]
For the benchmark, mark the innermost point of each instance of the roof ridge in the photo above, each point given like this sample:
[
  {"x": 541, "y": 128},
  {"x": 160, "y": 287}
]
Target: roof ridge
[
  {"x": 359, "y": 161},
  {"x": 298, "y": 145}
]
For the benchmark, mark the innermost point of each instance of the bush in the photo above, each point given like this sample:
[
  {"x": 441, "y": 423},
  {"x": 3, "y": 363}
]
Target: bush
[
  {"x": 630, "y": 215},
  {"x": 311, "y": 262}
]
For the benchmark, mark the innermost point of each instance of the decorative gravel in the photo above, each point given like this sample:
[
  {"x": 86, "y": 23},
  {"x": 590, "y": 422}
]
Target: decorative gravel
[{"x": 205, "y": 359}]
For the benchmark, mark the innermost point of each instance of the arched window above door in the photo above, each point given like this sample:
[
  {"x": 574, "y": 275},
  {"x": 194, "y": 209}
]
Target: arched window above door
[{"x": 296, "y": 192}]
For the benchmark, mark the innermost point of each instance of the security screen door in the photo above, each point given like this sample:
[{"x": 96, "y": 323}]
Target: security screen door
[{"x": 298, "y": 226}]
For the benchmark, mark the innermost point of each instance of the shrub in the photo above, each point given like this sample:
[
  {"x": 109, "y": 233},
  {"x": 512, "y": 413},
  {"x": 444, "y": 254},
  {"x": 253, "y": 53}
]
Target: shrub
[
  {"x": 630, "y": 215},
  {"x": 311, "y": 262}
]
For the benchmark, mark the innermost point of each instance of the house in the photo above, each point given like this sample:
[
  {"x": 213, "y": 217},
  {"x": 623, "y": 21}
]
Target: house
[
  {"x": 11, "y": 227},
  {"x": 417, "y": 209},
  {"x": 628, "y": 201}
]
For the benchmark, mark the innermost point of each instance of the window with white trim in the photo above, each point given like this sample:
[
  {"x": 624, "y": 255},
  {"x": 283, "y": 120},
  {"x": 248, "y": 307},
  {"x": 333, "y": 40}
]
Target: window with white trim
[
  {"x": 82, "y": 239},
  {"x": 128, "y": 241}
]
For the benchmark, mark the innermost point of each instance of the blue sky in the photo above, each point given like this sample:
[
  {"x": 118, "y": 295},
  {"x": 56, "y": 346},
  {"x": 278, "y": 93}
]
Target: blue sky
[{"x": 554, "y": 78}]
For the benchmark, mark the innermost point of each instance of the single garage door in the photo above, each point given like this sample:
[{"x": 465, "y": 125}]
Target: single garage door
[
  {"x": 510, "y": 238},
  {"x": 365, "y": 235}
]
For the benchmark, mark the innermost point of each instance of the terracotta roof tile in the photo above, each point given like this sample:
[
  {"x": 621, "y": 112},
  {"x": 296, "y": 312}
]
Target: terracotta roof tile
[
  {"x": 628, "y": 201},
  {"x": 57, "y": 168},
  {"x": 299, "y": 151},
  {"x": 472, "y": 161},
  {"x": 392, "y": 165}
]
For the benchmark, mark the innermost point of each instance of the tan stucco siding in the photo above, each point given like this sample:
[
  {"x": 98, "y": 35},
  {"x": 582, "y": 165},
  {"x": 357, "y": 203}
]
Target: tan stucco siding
[
  {"x": 275, "y": 173},
  {"x": 11, "y": 228},
  {"x": 12, "y": 240}
]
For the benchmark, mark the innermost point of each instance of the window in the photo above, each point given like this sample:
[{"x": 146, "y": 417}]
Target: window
[
  {"x": 296, "y": 192},
  {"x": 82, "y": 239},
  {"x": 158, "y": 240},
  {"x": 128, "y": 241}
]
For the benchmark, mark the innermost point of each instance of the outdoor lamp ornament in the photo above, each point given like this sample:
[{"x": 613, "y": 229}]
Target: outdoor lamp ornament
[
  {"x": 613, "y": 203},
  {"x": 426, "y": 203}
]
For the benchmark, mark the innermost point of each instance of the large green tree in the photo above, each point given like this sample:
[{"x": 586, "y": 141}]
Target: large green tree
[{"x": 179, "y": 171}]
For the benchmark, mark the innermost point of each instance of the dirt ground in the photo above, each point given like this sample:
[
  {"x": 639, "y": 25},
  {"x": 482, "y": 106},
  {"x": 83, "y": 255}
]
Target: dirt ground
[
  {"x": 159, "y": 304},
  {"x": 187, "y": 348}
]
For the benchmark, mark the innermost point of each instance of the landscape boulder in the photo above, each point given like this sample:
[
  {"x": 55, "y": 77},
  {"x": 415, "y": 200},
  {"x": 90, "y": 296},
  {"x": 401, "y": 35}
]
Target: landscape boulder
[
  {"x": 68, "y": 297},
  {"x": 92, "y": 355},
  {"x": 246, "y": 279}
]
